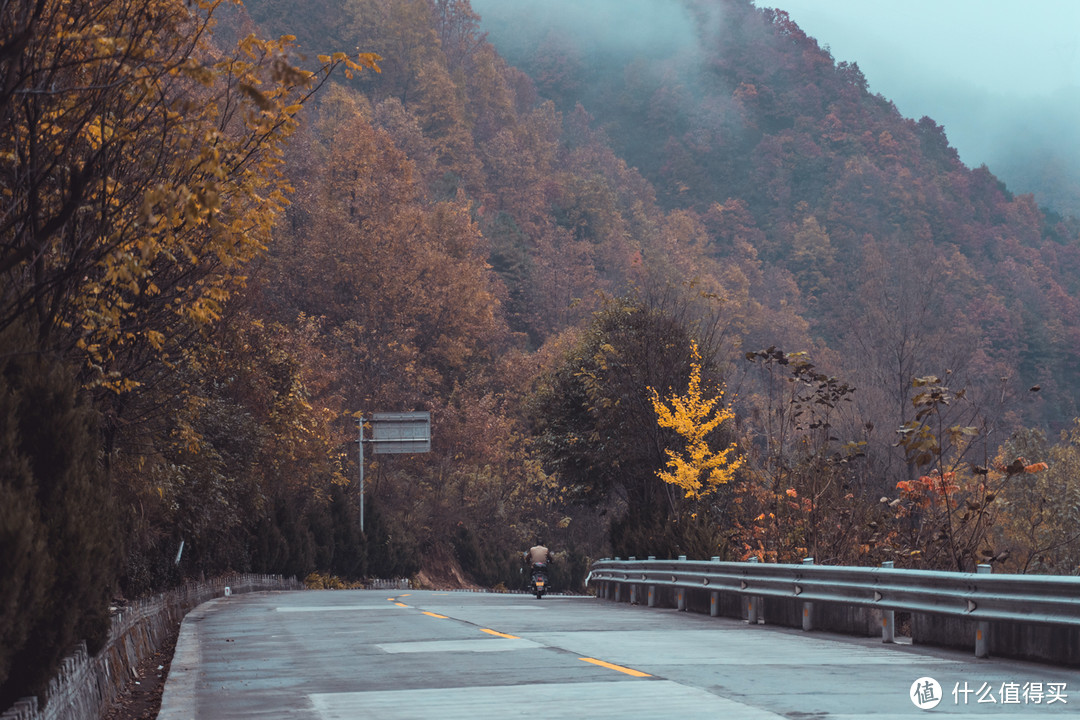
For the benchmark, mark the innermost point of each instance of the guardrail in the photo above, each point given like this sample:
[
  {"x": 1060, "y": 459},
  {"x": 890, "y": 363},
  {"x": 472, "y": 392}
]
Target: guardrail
[{"x": 1014, "y": 615}]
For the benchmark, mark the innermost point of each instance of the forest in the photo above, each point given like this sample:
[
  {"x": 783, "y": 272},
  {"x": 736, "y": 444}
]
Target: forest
[{"x": 714, "y": 299}]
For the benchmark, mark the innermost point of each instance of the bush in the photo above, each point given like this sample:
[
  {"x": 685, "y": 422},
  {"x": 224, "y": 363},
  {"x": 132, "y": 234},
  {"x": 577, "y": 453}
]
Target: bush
[
  {"x": 59, "y": 539},
  {"x": 326, "y": 581}
]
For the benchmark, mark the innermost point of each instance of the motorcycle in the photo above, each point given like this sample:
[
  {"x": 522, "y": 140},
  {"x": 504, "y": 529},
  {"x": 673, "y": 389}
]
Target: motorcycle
[{"x": 538, "y": 579}]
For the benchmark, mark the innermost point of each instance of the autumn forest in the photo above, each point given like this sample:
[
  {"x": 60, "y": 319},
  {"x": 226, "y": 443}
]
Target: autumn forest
[{"x": 720, "y": 300}]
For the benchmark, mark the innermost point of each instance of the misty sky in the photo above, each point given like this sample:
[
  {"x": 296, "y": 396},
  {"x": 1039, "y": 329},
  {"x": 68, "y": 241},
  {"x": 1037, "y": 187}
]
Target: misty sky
[
  {"x": 1017, "y": 48},
  {"x": 1002, "y": 76}
]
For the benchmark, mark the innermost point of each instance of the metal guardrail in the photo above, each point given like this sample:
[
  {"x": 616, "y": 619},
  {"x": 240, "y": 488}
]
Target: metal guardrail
[
  {"x": 1046, "y": 609},
  {"x": 979, "y": 597}
]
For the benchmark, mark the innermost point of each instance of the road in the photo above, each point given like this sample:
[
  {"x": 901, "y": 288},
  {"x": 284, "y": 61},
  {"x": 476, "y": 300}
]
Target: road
[{"x": 325, "y": 655}]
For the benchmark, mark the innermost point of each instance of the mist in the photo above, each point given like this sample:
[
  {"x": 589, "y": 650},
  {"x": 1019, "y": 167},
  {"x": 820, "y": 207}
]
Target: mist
[
  {"x": 615, "y": 29},
  {"x": 1002, "y": 78}
]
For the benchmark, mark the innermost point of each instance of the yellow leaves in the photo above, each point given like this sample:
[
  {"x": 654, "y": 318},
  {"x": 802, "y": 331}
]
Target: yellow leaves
[
  {"x": 178, "y": 148},
  {"x": 203, "y": 311},
  {"x": 699, "y": 470},
  {"x": 252, "y": 46},
  {"x": 196, "y": 71},
  {"x": 98, "y": 132},
  {"x": 363, "y": 61}
]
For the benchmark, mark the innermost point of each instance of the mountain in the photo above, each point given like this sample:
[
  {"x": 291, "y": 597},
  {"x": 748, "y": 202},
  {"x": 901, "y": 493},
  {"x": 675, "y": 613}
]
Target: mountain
[{"x": 736, "y": 107}]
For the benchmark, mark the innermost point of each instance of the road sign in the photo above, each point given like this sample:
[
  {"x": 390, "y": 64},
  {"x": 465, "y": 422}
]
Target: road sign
[
  {"x": 394, "y": 433},
  {"x": 401, "y": 432}
]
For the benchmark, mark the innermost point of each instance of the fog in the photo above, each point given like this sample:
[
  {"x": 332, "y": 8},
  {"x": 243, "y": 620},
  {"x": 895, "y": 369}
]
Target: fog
[
  {"x": 1002, "y": 76},
  {"x": 622, "y": 29}
]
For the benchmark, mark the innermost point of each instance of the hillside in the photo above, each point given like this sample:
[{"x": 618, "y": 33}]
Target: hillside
[{"x": 749, "y": 111}]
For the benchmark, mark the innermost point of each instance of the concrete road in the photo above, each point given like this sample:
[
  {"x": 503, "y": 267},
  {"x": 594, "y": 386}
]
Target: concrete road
[{"x": 329, "y": 655}]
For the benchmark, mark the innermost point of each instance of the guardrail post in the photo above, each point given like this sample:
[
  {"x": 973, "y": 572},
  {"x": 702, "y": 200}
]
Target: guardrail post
[
  {"x": 618, "y": 591},
  {"x": 633, "y": 595},
  {"x": 982, "y": 644},
  {"x": 652, "y": 596},
  {"x": 714, "y": 596},
  {"x": 888, "y": 617},
  {"x": 750, "y": 606},
  {"x": 681, "y": 597},
  {"x": 808, "y": 607}
]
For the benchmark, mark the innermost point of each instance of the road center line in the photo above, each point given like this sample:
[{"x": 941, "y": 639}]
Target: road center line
[
  {"x": 620, "y": 668},
  {"x": 425, "y": 612},
  {"x": 499, "y": 634},
  {"x": 401, "y": 604}
]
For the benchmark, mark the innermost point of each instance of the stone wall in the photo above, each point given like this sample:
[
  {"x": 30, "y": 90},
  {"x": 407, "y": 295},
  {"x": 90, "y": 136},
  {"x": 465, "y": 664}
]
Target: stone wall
[{"x": 85, "y": 686}]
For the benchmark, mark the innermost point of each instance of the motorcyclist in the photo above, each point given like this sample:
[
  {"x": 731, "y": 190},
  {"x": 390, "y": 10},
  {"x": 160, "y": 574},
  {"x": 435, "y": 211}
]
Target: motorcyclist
[{"x": 537, "y": 557}]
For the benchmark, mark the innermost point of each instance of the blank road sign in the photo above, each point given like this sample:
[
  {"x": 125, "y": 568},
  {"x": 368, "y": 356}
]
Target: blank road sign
[{"x": 404, "y": 432}]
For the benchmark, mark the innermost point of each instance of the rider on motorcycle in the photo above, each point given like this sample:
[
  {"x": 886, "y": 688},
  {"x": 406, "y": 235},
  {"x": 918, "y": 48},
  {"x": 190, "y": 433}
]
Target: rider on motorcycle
[{"x": 538, "y": 557}]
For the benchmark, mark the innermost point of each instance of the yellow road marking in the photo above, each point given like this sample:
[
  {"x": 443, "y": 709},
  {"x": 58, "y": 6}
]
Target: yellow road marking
[
  {"x": 401, "y": 604},
  {"x": 499, "y": 634},
  {"x": 391, "y": 599},
  {"x": 405, "y": 595},
  {"x": 425, "y": 612},
  {"x": 620, "y": 668}
]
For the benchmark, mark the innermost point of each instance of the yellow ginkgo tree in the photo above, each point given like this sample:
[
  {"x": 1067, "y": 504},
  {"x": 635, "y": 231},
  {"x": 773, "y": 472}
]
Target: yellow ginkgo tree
[{"x": 699, "y": 470}]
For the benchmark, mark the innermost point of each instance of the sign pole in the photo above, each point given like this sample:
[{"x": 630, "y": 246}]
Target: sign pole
[
  {"x": 394, "y": 433},
  {"x": 361, "y": 473}
]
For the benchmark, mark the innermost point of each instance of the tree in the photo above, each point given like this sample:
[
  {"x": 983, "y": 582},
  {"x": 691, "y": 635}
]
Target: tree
[
  {"x": 1038, "y": 524},
  {"x": 804, "y": 490},
  {"x": 949, "y": 511},
  {"x": 140, "y": 176},
  {"x": 695, "y": 418},
  {"x": 402, "y": 32},
  {"x": 141, "y": 169},
  {"x": 906, "y": 324},
  {"x": 59, "y": 539},
  {"x": 595, "y": 427}
]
